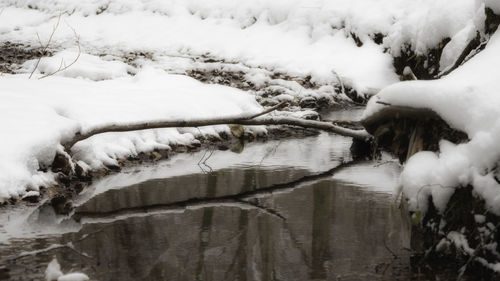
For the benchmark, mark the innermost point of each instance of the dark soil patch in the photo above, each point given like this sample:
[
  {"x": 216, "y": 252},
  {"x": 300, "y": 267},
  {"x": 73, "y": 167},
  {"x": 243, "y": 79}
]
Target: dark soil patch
[{"x": 12, "y": 55}]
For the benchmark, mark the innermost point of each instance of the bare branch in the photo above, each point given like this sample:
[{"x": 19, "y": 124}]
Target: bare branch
[
  {"x": 273, "y": 108},
  {"x": 45, "y": 48},
  {"x": 61, "y": 68},
  {"x": 239, "y": 120}
]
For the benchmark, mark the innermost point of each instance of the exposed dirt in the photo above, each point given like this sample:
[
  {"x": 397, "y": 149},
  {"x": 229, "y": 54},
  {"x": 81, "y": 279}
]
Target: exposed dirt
[{"x": 12, "y": 55}]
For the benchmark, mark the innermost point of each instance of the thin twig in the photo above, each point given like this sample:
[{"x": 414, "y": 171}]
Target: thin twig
[
  {"x": 270, "y": 152},
  {"x": 61, "y": 68},
  {"x": 44, "y": 48},
  {"x": 384, "y": 103},
  {"x": 273, "y": 108},
  {"x": 389, "y": 249},
  {"x": 208, "y": 157}
]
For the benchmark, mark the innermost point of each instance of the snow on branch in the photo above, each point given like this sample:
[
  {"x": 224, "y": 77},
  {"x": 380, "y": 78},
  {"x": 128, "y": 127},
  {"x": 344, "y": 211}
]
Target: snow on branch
[{"x": 242, "y": 119}]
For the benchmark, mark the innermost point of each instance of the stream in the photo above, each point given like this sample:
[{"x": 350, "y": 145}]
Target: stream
[{"x": 294, "y": 209}]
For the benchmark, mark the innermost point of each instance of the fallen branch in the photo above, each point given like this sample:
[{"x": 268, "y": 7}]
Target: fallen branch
[
  {"x": 245, "y": 119},
  {"x": 311, "y": 124}
]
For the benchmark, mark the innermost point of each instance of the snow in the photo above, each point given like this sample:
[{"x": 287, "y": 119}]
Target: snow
[
  {"x": 75, "y": 276},
  {"x": 37, "y": 115},
  {"x": 455, "y": 47},
  {"x": 130, "y": 52},
  {"x": 54, "y": 273},
  {"x": 53, "y": 270},
  {"x": 295, "y": 37},
  {"x": 468, "y": 100},
  {"x": 494, "y": 5},
  {"x": 85, "y": 66},
  {"x": 424, "y": 24}
]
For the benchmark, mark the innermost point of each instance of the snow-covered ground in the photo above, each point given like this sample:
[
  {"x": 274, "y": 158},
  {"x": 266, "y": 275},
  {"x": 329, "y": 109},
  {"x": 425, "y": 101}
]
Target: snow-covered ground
[{"x": 132, "y": 52}]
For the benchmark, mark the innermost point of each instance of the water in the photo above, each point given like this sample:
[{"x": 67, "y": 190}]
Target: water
[
  {"x": 347, "y": 114},
  {"x": 255, "y": 215}
]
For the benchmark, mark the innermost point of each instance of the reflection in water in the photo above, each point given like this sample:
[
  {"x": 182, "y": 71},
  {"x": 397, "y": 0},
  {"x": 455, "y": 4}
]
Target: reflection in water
[
  {"x": 328, "y": 229},
  {"x": 348, "y": 114}
]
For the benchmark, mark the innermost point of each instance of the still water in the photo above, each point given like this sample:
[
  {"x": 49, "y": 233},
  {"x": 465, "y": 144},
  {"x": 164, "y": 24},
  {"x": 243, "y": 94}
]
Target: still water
[{"x": 297, "y": 209}]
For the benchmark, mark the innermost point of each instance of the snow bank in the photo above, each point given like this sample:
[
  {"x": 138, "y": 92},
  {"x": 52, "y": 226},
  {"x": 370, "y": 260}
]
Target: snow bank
[
  {"x": 299, "y": 38},
  {"x": 468, "y": 101},
  {"x": 38, "y": 114},
  {"x": 295, "y": 37}
]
